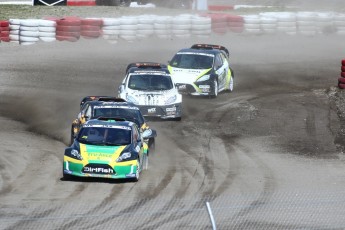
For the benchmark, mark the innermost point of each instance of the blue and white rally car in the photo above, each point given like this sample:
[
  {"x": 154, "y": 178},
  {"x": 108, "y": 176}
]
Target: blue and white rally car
[
  {"x": 202, "y": 69},
  {"x": 150, "y": 87}
]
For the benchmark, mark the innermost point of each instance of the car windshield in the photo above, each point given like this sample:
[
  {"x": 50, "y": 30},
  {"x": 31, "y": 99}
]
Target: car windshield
[
  {"x": 192, "y": 61},
  {"x": 150, "y": 82},
  {"x": 104, "y": 136},
  {"x": 126, "y": 113}
]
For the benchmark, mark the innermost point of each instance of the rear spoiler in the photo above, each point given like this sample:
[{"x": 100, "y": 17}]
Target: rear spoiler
[
  {"x": 210, "y": 47},
  {"x": 101, "y": 98}
]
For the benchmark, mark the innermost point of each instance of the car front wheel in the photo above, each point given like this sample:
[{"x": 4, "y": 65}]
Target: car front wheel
[{"x": 215, "y": 89}]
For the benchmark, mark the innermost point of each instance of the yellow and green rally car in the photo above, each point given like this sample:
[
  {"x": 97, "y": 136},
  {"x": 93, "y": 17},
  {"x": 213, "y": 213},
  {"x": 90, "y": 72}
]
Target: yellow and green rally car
[{"x": 106, "y": 148}]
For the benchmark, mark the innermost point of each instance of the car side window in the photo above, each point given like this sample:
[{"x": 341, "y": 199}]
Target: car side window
[
  {"x": 135, "y": 134},
  {"x": 88, "y": 112},
  {"x": 218, "y": 62}
]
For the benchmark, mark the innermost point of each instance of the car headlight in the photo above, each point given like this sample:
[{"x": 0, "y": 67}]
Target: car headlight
[
  {"x": 130, "y": 98},
  {"x": 170, "y": 100},
  {"x": 73, "y": 154},
  {"x": 204, "y": 78},
  {"x": 124, "y": 156}
]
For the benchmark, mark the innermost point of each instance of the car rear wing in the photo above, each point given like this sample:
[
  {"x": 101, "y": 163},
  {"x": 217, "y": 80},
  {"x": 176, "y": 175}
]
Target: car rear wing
[
  {"x": 145, "y": 65},
  {"x": 210, "y": 47},
  {"x": 101, "y": 98}
]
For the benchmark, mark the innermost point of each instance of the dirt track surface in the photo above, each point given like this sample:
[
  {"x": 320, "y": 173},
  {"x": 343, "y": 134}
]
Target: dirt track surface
[{"x": 266, "y": 156}]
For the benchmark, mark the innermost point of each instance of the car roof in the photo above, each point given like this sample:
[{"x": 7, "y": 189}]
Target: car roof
[
  {"x": 109, "y": 121},
  {"x": 206, "y": 48},
  {"x": 128, "y": 105},
  {"x": 147, "y": 67}
]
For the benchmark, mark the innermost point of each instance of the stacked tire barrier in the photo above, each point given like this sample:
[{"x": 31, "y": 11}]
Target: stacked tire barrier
[
  {"x": 4, "y": 31},
  {"x": 133, "y": 28},
  {"x": 341, "y": 79}
]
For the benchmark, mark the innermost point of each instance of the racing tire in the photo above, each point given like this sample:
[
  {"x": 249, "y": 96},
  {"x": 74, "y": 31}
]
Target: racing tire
[
  {"x": 231, "y": 84},
  {"x": 215, "y": 89},
  {"x": 152, "y": 144},
  {"x": 146, "y": 162},
  {"x": 137, "y": 173}
]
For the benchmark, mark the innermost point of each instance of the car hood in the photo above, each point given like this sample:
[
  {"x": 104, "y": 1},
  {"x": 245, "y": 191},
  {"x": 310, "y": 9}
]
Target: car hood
[
  {"x": 186, "y": 76},
  {"x": 101, "y": 153},
  {"x": 153, "y": 97}
]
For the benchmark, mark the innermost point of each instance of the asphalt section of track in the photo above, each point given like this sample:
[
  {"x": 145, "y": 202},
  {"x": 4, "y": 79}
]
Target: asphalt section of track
[{"x": 263, "y": 156}]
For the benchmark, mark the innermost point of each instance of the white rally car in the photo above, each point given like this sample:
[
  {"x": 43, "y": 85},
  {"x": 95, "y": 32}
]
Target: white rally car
[
  {"x": 202, "y": 69},
  {"x": 150, "y": 87}
]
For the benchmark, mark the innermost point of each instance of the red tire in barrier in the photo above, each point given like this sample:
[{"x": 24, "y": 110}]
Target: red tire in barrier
[
  {"x": 341, "y": 80},
  {"x": 5, "y": 39},
  {"x": 235, "y": 18},
  {"x": 342, "y": 74},
  {"x": 343, "y": 62},
  {"x": 68, "y": 22},
  {"x": 343, "y": 68},
  {"x": 341, "y": 85},
  {"x": 67, "y": 34},
  {"x": 92, "y": 22},
  {"x": 4, "y": 28},
  {"x": 90, "y": 34},
  {"x": 90, "y": 28},
  {"x": 4, "y": 23},
  {"x": 68, "y": 28},
  {"x": 66, "y": 38},
  {"x": 4, "y": 33},
  {"x": 220, "y": 8}
]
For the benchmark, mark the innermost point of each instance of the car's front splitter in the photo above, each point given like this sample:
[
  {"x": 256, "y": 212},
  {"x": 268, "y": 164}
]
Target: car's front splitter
[{"x": 119, "y": 172}]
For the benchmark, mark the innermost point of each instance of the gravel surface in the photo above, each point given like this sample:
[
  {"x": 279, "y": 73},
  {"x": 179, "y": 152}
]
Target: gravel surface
[{"x": 269, "y": 155}]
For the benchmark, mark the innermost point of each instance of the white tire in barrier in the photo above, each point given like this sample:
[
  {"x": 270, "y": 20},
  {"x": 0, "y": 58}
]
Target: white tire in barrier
[
  {"x": 162, "y": 26},
  {"x": 128, "y": 21},
  {"x": 339, "y": 23},
  {"x": 14, "y": 27},
  {"x": 181, "y": 21},
  {"x": 26, "y": 43},
  {"x": 129, "y": 27},
  {"x": 180, "y": 32},
  {"x": 253, "y": 31},
  {"x": 29, "y": 33},
  {"x": 201, "y": 32},
  {"x": 129, "y": 38},
  {"x": 286, "y": 24},
  {"x": 306, "y": 16},
  {"x": 30, "y": 22},
  {"x": 145, "y": 32},
  {"x": 14, "y": 21},
  {"x": 252, "y": 26},
  {"x": 181, "y": 26},
  {"x": 286, "y": 17},
  {"x": 14, "y": 32},
  {"x": 14, "y": 37},
  {"x": 29, "y": 28},
  {"x": 251, "y": 19},
  {"x": 128, "y": 32},
  {"x": 163, "y": 32},
  {"x": 110, "y": 37},
  {"x": 201, "y": 21},
  {"x": 146, "y": 19},
  {"x": 46, "y": 34},
  {"x": 28, "y": 39},
  {"x": 48, "y": 39},
  {"x": 111, "y": 32},
  {"x": 182, "y": 36},
  {"x": 15, "y": 42},
  {"x": 201, "y": 26},
  {"x": 145, "y": 26},
  {"x": 287, "y": 29},
  {"x": 46, "y": 28},
  {"x": 111, "y": 22},
  {"x": 117, "y": 27},
  {"x": 306, "y": 23},
  {"x": 268, "y": 26},
  {"x": 48, "y": 23}
]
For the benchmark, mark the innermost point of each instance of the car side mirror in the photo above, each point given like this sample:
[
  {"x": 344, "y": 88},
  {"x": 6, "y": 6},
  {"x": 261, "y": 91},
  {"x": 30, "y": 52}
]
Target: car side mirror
[
  {"x": 121, "y": 87},
  {"x": 149, "y": 133}
]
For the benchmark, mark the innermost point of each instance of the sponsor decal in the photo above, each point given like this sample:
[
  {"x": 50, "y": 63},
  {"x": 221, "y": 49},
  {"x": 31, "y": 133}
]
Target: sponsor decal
[
  {"x": 98, "y": 170},
  {"x": 204, "y": 86},
  {"x": 151, "y": 110},
  {"x": 171, "y": 109},
  {"x": 182, "y": 87}
]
